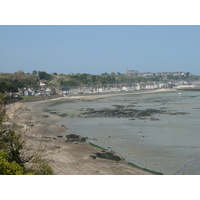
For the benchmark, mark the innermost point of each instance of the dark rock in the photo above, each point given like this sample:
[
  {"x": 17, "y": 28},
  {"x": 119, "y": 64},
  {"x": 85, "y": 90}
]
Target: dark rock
[
  {"x": 63, "y": 115},
  {"x": 75, "y": 138},
  {"x": 60, "y": 136},
  {"x": 90, "y": 109},
  {"x": 130, "y": 106},
  {"x": 179, "y": 113},
  {"x": 45, "y": 115},
  {"x": 120, "y": 112},
  {"x": 82, "y": 139},
  {"x": 108, "y": 155},
  {"x": 118, "y": 106},
  {"x": 47, "y": 137},
  {"x": 53, "y": 112},
  {"x": 154, "y": 119}
]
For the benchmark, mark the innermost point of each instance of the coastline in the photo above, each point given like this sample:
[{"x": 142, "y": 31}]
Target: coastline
[
  {"x": 105, "y": 95},
  {"x": 101, "y": 95},
  {"x": 72, "y": 158}
]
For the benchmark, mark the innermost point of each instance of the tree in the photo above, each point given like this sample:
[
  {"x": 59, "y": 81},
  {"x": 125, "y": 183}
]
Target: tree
[
  {"x": 31, "y": 81},
  {"x": 7, "y": 87},
  {"x": 34, "y": 72},
  {"x": 104, "y": 74},
  {"x": 18, "y": 83},
  {"x": 44, "y": 75}
]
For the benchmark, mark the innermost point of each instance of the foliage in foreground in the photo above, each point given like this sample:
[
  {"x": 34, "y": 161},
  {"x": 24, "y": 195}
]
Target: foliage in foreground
[
  {"x": 14, "y": 158},
  {"x": 9, "y": 168},
  {"x": 39, "y": 166}
]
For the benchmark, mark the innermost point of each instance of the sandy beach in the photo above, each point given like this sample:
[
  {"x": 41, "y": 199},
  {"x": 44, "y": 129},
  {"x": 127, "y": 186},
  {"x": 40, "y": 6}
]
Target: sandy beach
[
  {"x": 121, "y": 93},
  {"x": 69, "y": 158}
]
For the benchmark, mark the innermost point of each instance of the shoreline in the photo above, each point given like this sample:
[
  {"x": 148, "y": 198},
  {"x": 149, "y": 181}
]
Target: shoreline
[
  {"x": 105, "y": 95},
  {"x": 74, "y": 157},
  {"x": 100, "y": 95}
]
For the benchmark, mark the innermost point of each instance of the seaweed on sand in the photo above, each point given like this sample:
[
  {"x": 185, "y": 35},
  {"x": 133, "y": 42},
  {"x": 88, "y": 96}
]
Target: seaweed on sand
[{"x": 122, "y": 113}]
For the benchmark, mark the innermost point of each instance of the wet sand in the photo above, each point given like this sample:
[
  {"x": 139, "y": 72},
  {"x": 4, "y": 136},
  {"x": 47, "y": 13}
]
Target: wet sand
[
  {"x": 68, "y": 158},
  {"x": 166, "y": 141},
  {"x": 121, "y": 94}
]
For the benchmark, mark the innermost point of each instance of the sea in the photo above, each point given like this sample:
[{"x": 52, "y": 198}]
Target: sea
[{"x": 169, "y": 144}]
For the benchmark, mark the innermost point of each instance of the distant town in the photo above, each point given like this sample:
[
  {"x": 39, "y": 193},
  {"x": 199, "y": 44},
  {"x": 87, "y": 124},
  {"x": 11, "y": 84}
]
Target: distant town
[
  {"x": 150, "y": 74},
  {"x": 40, "y": 83}
]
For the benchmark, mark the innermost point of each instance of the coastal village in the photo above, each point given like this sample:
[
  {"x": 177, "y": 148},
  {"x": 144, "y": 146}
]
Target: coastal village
[{"x": 45, "y": 90}]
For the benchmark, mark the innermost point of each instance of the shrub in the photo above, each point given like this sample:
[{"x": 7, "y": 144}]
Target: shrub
[
  {"x": 39, "y": 166},
  {"x": 9, "y": 168},
  {"x": 14, "y": 158}
]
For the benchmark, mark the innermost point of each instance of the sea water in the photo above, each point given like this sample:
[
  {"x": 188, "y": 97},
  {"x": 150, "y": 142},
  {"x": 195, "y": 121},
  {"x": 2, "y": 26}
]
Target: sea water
[{"x": 170, "y": 145}]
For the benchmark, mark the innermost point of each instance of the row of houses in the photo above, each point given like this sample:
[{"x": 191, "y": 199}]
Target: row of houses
[
  {"x": 47, "y": 91},
  {"x": 111, "y": 88}
]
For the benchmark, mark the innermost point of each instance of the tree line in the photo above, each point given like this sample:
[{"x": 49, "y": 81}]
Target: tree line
[{"x": 11, "y": 82}]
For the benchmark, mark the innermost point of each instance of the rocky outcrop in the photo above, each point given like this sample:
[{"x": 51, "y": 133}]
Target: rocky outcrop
[
  {"x": 106, "y": 155},
  {"x": 75, "y": 138}
]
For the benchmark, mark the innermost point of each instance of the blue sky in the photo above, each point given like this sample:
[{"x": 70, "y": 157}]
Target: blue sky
[{"x": 99, "y": 49}]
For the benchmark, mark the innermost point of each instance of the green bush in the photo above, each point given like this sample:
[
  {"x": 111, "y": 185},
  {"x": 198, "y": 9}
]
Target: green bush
[
  {"x": 12, "y": 144},
  {"x": 9, "y": 168},
  {"x": 14, "y": 158}
]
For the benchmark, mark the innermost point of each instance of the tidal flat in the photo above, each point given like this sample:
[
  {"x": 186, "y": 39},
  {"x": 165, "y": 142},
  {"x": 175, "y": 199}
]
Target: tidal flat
[{"x": 158, "y": 131}]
